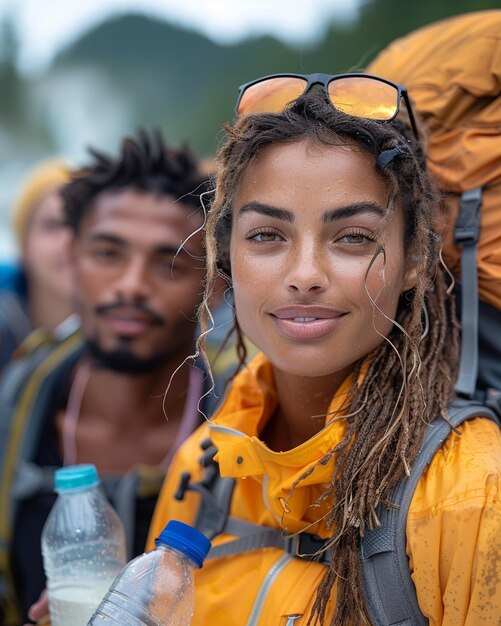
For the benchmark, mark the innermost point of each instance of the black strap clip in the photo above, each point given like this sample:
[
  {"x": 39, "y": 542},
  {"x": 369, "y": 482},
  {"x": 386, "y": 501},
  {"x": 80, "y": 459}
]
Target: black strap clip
[
  {"x": 467, "y": 228},
  {"x": 308, "y": 547}
]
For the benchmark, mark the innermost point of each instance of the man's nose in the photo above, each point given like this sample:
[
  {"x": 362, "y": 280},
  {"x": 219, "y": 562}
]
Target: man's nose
[{"x": 133, "y": 283}]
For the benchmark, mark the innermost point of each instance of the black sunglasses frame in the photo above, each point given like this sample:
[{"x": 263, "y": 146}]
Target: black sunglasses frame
[{"x": 325, "y": 79}]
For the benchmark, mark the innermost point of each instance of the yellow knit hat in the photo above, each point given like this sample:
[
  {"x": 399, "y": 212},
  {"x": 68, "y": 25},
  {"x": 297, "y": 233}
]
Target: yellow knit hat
[{"x": 40, "y": 180}]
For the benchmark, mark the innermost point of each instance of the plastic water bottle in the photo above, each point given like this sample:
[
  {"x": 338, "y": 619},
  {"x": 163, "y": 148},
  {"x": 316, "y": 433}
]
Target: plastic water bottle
[
  {"x": 83, "y": 546},
  {"x": 157, "y": 588}
]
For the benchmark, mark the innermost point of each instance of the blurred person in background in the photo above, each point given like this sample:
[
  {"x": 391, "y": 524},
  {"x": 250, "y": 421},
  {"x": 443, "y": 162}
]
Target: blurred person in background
[
  {"x": 37, "y": 293},
  {"x": 98, "y": 396}
]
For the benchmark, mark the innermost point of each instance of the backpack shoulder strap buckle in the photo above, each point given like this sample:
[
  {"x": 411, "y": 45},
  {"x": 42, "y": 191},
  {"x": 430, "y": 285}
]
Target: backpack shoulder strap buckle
[
  {"x": 467, "y": 228},
  {"x": 309, "y": 547}
]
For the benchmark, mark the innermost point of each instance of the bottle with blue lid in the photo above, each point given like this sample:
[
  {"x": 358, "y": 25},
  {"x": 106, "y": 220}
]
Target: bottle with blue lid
[
  {"x": 157, "y": 588},
  {"x": 83, "y": 546}
]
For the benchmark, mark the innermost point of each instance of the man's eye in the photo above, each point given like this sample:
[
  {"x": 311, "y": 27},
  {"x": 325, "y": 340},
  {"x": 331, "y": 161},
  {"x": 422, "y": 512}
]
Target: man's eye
[
  {"x": 105, "y": 254},
  {"x": 170, "y": 268}
]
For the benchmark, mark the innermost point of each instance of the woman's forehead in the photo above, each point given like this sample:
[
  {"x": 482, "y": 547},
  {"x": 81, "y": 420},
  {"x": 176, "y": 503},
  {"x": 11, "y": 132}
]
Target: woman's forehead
[{"x": 302, "y": 169}]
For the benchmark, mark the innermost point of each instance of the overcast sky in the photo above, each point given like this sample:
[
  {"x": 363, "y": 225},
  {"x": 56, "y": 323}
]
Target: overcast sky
[{"x": 46, "y": 26}]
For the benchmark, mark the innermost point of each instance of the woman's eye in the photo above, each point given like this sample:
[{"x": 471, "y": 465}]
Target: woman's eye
[
  {"x": 356, "y": 238},
  {"x": 267, "y": 236}
]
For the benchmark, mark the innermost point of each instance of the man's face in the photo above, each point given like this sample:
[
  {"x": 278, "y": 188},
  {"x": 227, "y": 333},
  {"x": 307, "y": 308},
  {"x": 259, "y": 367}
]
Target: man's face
[{"x": 137, "y": 289}]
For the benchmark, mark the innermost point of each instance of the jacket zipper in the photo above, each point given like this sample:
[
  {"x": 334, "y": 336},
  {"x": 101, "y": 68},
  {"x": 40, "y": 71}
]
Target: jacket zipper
[
  {"x": 292, "y": 618},
  {"x": 262, "y": 594}
]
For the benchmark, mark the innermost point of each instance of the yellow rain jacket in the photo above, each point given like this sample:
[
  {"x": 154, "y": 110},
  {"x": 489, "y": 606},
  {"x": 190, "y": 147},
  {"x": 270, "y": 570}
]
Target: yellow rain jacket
[{"x": 453, "y": 527}]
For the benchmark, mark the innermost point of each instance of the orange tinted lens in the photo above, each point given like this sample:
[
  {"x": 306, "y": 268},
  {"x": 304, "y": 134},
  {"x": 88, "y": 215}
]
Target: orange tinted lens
[
  {"x": 271, "y": 95},
  {"x": 362, "y": 96}
]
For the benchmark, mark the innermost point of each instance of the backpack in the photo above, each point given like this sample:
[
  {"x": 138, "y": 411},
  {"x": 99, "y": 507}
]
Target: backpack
[{"x": 452, "y": 70}]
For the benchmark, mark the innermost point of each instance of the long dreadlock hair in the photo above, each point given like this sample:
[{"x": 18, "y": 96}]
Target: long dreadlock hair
[
  {"x": 411, "y": 374},
  {"x": 147, "y": 164}
]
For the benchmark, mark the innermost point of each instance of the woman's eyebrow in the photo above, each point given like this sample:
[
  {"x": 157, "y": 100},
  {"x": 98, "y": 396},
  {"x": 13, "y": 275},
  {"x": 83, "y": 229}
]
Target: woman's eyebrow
[
  {"x": 269, "y": 211},
  {"x": 351, "y": 210}
]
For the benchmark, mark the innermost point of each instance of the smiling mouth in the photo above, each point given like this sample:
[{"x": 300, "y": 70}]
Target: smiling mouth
[
  {"x": 313, "y": 323},
  {"x": 307, "y": 313}
]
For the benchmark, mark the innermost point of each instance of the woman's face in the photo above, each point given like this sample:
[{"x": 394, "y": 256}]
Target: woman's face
[
  {"x": 305, "y": 220},
  {"x": 46, "y": 248}
]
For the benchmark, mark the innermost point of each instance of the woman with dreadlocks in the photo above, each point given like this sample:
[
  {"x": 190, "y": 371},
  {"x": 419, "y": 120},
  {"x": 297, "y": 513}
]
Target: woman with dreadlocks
[{"x": 322, "y": 222}]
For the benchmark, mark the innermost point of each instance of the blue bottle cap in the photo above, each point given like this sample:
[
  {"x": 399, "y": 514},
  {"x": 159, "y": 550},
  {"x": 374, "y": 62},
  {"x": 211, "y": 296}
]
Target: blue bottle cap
[
  {"x": 76, "y": 477},
  {"x": 185, "y": 539}
]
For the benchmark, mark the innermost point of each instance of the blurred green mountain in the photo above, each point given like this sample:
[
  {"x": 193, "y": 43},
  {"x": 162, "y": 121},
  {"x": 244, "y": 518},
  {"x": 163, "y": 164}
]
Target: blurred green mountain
[
  {"x": 136, "y": 71},
  {"x": 184, "y": 83},
  {"x": 176, "y": 79}
]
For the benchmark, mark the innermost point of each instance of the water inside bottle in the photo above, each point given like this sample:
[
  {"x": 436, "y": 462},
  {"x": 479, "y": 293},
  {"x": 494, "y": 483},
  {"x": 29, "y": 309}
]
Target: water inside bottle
[{"x": 75, "y": 605}]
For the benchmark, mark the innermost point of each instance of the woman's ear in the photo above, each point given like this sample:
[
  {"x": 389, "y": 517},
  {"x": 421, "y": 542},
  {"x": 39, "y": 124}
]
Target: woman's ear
[
  {"x": 410, "y": 276},
  {"x": 220, "y": 288}
]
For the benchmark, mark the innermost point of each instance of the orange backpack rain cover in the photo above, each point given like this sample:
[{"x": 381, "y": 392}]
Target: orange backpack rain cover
[{"x": 452, "y": 70}]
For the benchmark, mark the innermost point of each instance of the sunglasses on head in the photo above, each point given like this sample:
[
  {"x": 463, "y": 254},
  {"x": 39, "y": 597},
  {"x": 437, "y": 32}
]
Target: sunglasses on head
[{"x": 360, "y": 95}]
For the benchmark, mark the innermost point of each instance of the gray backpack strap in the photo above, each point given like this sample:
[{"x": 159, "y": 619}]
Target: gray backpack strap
[
  {"x": 390, "y": 593},
  {"x": 466, "y": 234},
  {"x": 31, "y": 479},
  {"x": 252, "y": 537},
  {"x": 14, "y": 325},
  {"x": 121, "y": 492}
]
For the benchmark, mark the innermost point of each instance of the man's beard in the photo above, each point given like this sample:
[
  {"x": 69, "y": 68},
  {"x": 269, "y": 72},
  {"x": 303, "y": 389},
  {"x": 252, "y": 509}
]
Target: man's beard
[{"x": 122, "y": 360}]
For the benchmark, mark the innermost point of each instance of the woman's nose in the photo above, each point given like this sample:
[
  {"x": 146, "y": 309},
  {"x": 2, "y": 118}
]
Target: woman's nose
[{"x": 307, "y": 269}]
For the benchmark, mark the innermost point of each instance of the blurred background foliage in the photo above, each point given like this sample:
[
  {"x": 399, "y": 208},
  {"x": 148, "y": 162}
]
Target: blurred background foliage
[{"x": 133, "y": 71}]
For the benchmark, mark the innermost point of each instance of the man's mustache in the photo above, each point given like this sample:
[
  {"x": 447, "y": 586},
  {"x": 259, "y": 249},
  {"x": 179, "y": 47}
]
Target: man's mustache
[{"x": 137, "y": 306}]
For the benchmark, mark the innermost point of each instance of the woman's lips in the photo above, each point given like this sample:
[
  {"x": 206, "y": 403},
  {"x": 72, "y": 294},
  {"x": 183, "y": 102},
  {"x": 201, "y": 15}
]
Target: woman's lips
[{"x": 306, "y": 322}]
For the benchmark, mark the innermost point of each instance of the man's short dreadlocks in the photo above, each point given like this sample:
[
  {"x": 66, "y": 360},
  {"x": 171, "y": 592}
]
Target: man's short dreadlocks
[{"x": 145, "y": 164}]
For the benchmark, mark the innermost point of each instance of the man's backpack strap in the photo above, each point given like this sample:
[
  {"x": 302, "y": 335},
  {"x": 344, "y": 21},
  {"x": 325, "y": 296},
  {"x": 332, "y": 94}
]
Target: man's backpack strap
[
  {"x": 24, "y": 388},
  {"x": 214, "y": 518},
  {"x": 22, "y": 393},
  {"x": 390, "y": 593},
  {"x": 466, "y": 235},
  {"x": 14, "y": 324}
]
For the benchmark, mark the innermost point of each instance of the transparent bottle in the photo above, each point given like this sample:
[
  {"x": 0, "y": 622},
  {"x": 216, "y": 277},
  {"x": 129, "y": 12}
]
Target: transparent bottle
[
  {"x": 83, "y": 546},
  {"x": 157, "y": 588}
]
